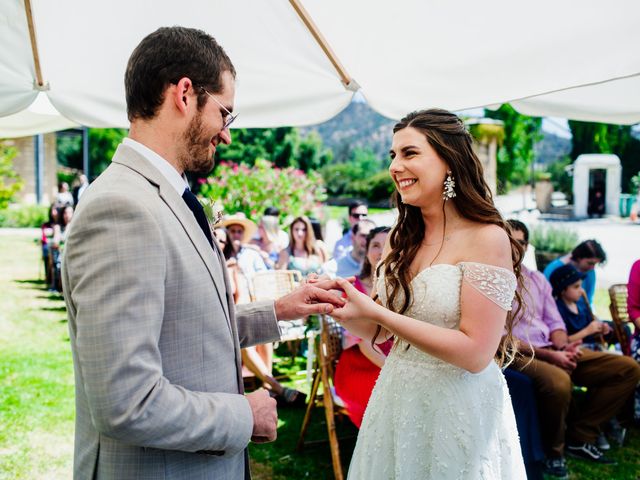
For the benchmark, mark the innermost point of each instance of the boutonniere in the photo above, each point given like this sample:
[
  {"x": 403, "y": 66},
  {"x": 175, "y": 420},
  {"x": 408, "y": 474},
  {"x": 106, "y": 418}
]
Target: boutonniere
[{"x": 213, "y": 210}]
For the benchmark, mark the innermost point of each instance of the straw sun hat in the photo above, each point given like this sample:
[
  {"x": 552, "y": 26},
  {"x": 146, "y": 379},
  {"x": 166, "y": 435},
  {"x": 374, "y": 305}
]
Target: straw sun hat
[{"x": 250, "y": 227}]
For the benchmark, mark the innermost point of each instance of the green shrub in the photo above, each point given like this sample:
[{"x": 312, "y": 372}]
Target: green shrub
[
  {"x": 635, "y": 183},
  {"x": 10, "y": 181},
  {"x": 562, "y": 181},
  {"x": 250, "y": 190},
  {"x": 376, "y": 188},
  {"x": 67, "y": 175},
  {"x": 23, "y": 216},
  {"x": 338, "y": 178},
  {"x": 553, "y": 239}
]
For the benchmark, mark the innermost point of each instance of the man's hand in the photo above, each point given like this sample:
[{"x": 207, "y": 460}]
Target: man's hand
[
  {"x": 574, "y": 348},
  {"x": 265, "y": 416},
  {"x": 308, "y": 299},
  {"x": 564, "y": 359}
]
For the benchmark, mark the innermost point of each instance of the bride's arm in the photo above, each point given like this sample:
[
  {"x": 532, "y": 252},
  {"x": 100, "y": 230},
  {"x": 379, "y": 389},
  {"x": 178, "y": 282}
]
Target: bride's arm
[
  {"x": 473, "y": 346},
  {"x": 362, "y": 327}
]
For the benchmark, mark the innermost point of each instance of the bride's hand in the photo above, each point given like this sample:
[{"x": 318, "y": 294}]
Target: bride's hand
[{"x": 358, "y": 305}]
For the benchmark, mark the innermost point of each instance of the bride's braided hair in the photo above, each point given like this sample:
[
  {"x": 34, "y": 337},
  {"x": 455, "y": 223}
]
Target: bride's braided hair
[{"x": 448, "y": 136}]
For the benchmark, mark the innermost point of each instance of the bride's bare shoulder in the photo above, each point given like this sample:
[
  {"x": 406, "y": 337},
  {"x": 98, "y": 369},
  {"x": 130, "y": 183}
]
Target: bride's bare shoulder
[{"x": 488, "y": 244}]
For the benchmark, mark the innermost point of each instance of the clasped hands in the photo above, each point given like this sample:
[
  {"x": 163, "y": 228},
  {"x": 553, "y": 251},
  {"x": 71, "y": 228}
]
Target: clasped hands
[{"x": 323, "y": 295}]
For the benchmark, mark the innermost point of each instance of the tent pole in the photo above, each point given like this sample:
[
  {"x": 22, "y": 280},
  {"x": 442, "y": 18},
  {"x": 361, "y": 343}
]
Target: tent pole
[
  {"x": 34, "y": 42},
  {"x": 317, "y": 35}
]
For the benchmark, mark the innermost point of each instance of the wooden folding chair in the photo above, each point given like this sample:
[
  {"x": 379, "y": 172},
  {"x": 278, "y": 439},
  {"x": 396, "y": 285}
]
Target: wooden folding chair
[
  {"x": 619, "y": 314},
  {"x": 273, "y": 284},
  {"x": 329, "y": 351}
]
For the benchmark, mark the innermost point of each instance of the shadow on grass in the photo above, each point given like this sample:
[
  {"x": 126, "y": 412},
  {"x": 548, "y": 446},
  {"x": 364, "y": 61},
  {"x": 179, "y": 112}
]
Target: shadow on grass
[
  {"x": 61, "y": 308},
  {"x": 281, "y": 459},
  {"x": 40, "y": 283}
]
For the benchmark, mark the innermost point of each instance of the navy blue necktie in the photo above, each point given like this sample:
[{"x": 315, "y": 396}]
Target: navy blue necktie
[{"x": 198, "y": 212}]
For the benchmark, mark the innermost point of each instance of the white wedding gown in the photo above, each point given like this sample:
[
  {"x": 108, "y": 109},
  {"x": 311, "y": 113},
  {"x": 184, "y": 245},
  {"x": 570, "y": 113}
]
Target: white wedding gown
[{"x": 428, "y": 419}]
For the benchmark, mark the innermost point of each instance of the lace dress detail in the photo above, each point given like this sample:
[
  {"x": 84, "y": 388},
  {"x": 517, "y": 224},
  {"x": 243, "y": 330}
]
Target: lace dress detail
[
  {"x": 428, "y": 419},
  {"x": 496, "y": 283}
]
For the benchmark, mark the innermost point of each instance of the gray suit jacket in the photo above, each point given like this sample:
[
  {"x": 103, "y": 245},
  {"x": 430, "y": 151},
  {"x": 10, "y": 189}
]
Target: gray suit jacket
[{"x": 155, "y": 338}]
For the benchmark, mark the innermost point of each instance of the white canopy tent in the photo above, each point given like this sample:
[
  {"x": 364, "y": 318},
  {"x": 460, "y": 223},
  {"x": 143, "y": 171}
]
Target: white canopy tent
[{"x": 547, "y": 58}]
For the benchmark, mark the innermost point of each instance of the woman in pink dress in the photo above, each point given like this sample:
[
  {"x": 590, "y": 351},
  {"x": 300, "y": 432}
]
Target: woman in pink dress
[
  {"x": 360, "y": 363},
  {"x": 633, "y": 306}
]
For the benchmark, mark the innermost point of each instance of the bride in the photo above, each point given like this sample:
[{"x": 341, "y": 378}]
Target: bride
[{"x": 440, "y": 408}]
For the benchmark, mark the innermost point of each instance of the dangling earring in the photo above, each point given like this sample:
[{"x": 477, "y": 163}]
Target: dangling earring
[{"x": 449, "y": 185}]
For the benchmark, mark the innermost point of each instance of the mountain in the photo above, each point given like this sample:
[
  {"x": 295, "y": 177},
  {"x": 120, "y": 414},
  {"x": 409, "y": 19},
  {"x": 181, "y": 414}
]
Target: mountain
[
  {"x": 360, "y": 126},
  {"x": 551, "y": 148},
  {"x": 356, "y": 126}
]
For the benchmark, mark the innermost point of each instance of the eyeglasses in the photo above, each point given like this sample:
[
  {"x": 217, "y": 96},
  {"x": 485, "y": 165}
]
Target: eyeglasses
[
  {"x": 359, "y": 215},
  {"x": 229, "y": 118}
]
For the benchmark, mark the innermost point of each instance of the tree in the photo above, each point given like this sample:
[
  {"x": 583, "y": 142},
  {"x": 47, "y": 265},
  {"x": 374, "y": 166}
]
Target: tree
[
  {"x": 102, "y": 145},
  {"x": 590, "y": 137},
  {"x": 521, "y": 132},
  {"x": 282, "y": 146},
  {"x": 10, "y": 181}
]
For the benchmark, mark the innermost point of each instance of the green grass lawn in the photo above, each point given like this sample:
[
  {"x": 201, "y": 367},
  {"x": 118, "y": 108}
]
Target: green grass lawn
[
  {"x": 36, "y": 391},
  {"x": 36, "y": 372}
]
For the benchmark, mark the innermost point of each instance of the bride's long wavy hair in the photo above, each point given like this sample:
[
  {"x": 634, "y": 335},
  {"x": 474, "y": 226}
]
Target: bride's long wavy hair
[{"x": 447, "y": 135}]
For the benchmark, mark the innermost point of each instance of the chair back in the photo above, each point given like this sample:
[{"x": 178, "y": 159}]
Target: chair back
[
  {"x": 330, "y": 344},
  {"x": 273, "y": 284},
  {"x": 619, "y": 314}
]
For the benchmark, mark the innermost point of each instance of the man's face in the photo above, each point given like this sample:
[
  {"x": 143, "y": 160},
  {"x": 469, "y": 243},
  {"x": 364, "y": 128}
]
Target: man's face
[
  {"x": 357, "y": 214},
  {"x": 204, "y": 132},
  {"x": 360, "y": 240}
]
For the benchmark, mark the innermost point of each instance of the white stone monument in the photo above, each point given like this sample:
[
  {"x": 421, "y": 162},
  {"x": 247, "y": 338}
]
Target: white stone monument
[{"x": 584, "y": 182}]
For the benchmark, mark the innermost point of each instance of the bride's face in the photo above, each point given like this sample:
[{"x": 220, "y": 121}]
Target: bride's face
[{"x": 416, "y": 169}]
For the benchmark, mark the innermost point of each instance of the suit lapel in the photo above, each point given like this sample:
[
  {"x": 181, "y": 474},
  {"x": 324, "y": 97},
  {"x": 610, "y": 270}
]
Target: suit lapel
[{"x": 212, "y": 259}]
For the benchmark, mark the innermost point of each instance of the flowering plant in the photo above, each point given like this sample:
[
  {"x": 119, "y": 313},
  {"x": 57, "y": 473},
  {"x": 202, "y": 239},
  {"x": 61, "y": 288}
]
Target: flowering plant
[{"x": 240, "y": 188}]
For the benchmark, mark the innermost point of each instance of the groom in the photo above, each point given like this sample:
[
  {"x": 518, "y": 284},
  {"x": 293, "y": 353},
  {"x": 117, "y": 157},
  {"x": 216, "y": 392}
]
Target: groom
[{"x": 155, "y": 337}]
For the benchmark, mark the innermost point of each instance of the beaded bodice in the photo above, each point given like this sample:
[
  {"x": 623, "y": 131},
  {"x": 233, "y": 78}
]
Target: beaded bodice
[
  {"x": 436, "y": 290},
  {"x": 430, "y": 419}
]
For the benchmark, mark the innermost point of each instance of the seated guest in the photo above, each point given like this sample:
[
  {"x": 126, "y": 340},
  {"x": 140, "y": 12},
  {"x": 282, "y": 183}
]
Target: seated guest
[
  {"x": 244, "y": 262},
  {"x": 566, "y": 282},
  {"x": 525, "y": 408},
  {"x": 56, "y": 246},
  {"x": 584, "y": 258},
  {"x": 268, "y": 241},
  {"x": 317, "y": 231},
  {"x": 46, "y": 240},
  {"x": 240, "y": 230},
  {"x": 302, "y": 254},
  {"x": 64, "y": 196},
  {"x": 351, "y": 264},
  {"x": 359, "y": 363},
  {"x": 357, "y": 211},
  {"x": 633, "y": 307},
  {"x": 283, "y": 237},
  {"x": 553, "y": 363}
]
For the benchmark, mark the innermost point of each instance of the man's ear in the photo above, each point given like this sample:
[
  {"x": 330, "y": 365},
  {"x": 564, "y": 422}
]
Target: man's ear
[{"x": 180, "y": 94}]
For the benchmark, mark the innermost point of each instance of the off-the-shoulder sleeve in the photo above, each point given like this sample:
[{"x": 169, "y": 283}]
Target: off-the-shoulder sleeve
[{"x": 496, "y": 283}]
